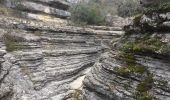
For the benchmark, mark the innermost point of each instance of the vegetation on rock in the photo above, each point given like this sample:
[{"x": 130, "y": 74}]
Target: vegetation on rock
[
  {"x": 97, "y": 12},
  {"x": 143, "y": 88},
  {"x": 87, "y": 13},
  {"x": 159, "y": 8},
  {"x": 12, "y": 43},
  {"x": 129, "y": 8},
  {"x": 8, "y": 11}
]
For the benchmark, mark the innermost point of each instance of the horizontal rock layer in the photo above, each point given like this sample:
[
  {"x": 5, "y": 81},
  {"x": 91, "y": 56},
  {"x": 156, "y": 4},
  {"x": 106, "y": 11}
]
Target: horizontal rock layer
[
  {"x": 138, "y": 66},
  {"x": 45, "y": 61},
  {"x": 56, "y": 8}
]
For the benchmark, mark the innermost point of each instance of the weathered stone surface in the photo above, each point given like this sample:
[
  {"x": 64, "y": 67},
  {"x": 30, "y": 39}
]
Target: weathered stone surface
[
  {"x": 60, "y": 4},
  {"x": 150, "y": 22},
  {"x": 42, "y": 60},
  {"x": 57, "y": 8},
  {"x": 52, "y": 60},
  {"x": 124, "y": 72}
]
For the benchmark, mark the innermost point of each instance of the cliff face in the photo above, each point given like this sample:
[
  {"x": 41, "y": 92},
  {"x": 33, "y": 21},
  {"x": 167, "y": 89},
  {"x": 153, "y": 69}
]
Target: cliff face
[
  {"x": 138, "y": 66},
  {"x": 42, "y": 60},
  {"x": 38, "y": 8}
]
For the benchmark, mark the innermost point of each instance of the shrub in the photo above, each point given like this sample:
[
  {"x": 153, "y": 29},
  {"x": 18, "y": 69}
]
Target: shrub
[
  {"x": 87, "y": 13},
  {"x": 163, "y": 6},
  {"x": 149, "y": 3},
  {"x": 129, "y": 8}
]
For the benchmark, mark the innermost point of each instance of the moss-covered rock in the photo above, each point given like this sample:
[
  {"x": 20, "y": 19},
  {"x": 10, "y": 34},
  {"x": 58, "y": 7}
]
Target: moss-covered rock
[{"x": 12, "y": 43}]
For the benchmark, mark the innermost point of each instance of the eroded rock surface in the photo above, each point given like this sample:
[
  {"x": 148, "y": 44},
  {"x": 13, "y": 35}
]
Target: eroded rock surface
[
  {"x": 138, "y": 66},
  {"x": 39, "y": 9},
  {"x": 46, "y": 61}
]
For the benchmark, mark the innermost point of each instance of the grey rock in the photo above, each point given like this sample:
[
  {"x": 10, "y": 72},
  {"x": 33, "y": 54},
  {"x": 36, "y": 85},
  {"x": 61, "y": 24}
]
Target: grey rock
[
  {"x": 56, "y": 8},
  {"x": 51, "y": 59}
]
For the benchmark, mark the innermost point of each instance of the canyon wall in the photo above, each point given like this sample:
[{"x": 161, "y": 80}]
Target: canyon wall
[{"x": 43, "y": 59}]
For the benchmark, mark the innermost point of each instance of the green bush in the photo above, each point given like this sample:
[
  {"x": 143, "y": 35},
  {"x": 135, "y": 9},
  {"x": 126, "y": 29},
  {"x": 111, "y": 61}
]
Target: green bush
[
  {"x": 87, "y": 13},
  {"x": 163, "y": 6},
  {"x": 129, "y": 8}
]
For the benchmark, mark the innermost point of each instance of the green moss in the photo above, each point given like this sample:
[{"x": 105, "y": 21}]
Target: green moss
[
  {"x": 146, "y": 84},
  {"x": 126, "y": 86},
  {"x": 12, "y": 43},
  {"x": 143, "y": 45},
  {"x": 123, "y": 71},
  {"x": 144, "y": 87},
  {"x": 128, "y": 57},
  {"x": 137, "y": 19},
  {"x": 144, "y": 96},
  {"x": 130, "y": 69},
  {"x": 166, "y": 49}
]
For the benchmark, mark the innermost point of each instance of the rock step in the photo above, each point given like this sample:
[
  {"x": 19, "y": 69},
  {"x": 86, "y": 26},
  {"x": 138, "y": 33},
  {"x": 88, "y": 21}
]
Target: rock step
[
  {"x": 34, "y": 7},
  {"x": 67, "y": 61},
  {"x": 71, "y": 45},
  {"x": 43, "y": 17},
  {"x": 55, "y": 8},
  {"x": 75, "y": 36},
  {"x": 31, "y": 25},
  {"x": 63, "y": 49},
  {"x": 60, "y": 4},
  {"x": 72, "y": 52}
]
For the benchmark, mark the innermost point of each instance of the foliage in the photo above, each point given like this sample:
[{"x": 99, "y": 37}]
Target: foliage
[
  {"x": 161, "y": 7},
  {"x": 129, "y": 8},
  {"x": 87, "y": 13}
]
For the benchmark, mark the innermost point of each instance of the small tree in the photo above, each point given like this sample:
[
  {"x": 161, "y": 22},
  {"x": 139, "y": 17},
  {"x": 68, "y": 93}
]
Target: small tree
[{"x": 87, "y": 13}]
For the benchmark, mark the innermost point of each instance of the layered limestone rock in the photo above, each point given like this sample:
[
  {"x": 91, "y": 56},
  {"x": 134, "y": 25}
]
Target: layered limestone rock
[
  {"x": 138, "y": 66},
  {"x": 45, "y": 61},
  {"x": 36, "y": 9}
]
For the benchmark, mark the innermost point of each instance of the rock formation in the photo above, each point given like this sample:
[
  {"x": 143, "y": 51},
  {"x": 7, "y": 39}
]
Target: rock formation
[
  {"x": 36, "y": 8},
  {"x": 137, "y": 67},
  {"x": 42, "y": 60}
]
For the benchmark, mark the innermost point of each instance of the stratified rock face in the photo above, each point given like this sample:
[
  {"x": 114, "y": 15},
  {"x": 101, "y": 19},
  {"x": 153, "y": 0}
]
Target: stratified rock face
[
  {"x": 56, "y": 8},
  {"x": 45, "y": 61},
  {"x": 42, "y": 60},
  {"x": 158, "y": 21},
  {"x": 138, "y": 68}
]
